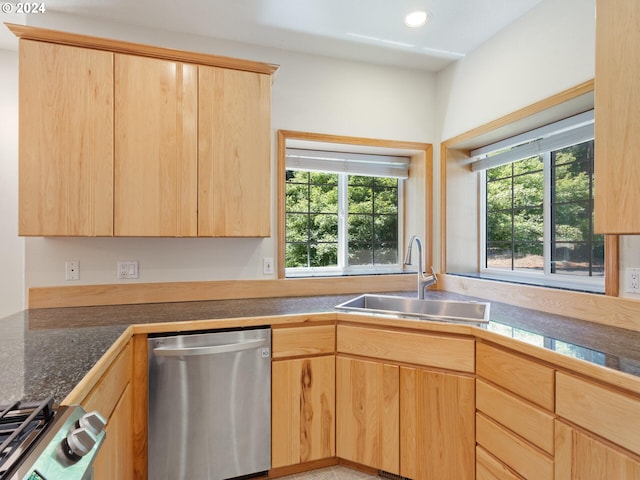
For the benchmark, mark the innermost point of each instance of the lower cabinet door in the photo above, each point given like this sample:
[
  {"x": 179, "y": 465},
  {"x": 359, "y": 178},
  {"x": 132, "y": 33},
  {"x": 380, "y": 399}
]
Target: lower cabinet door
[
  {"x": 367, "y": 405},
  {"x": 436, "y": 425},
  {"x": 302, "y": 410},
  {"x": 115, "y": 459},
  {"x": 582, "y": 457}
]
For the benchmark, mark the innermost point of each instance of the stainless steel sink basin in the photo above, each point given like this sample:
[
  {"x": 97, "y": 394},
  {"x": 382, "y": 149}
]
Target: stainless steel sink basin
[{"x": 427, "y": 309}]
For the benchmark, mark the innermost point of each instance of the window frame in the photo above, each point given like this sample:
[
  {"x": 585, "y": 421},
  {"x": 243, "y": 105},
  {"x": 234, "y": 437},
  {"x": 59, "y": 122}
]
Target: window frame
[
  {"x": 418, "y": 193},
  {"x": 457, "y": 176},
  {"x": 595, "y": 284},
  {"x": 343, "y": 268}
]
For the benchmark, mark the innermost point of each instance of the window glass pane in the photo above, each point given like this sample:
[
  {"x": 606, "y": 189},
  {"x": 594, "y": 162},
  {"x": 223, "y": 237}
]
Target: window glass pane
[
  {"x": 572, "y": 182},
  {"x": 360, "y": 180},
  {"x": 324, "y": 198},
  {"x": 502, "y": 171},
  {"x": 296, "y": 255},
  {"x": 499, "y": 255},
  {"x": 323, "y": 178},
  {"x": 323, "y": 254},
  {"x": 528, "y": 256},
  {"x": 499, "y": 195},
  {"x": 297, "y": 227},
  {"x": 324, "y": 228},
  {"x": 572, "y": 222},
  {"x": 528, "y": 190},
  {"x": 528, "y": 165},
  {"x": 499, "y": 227},
  {"x": 360, "y": 199},
  {"x": 385, "y": 200},
  {"x": 528, "y": 225}
]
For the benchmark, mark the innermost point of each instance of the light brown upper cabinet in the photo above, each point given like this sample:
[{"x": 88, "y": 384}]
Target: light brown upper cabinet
[
  {"x": 125, "y": 139},
  {"x": 66, "y": 140},
  {"x": 617, "y": 116},
  {"x": 234, "y": 141},
  {"x": 156, "y": 147}
]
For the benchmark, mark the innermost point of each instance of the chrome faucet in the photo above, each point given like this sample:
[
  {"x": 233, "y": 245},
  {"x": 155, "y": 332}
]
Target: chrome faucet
[{"x": 423, "y": 280}]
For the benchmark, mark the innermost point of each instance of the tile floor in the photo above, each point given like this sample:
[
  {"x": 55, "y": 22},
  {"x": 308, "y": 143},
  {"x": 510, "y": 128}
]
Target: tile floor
[{"x": 337, "y": 472}]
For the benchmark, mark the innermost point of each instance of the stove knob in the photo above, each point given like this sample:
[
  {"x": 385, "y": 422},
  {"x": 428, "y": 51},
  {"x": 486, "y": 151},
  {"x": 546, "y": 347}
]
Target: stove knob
[
  {"x": 94, "y": 422},
  {"x": 79, "y": 442}
]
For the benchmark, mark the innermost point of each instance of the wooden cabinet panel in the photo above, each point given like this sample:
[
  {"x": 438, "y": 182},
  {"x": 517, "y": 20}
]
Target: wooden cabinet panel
[
  {"x": 297, "y": 341},
  {"x": 66, "y": 140},
  {"x": 617, "y": 115},
  {"x": 303, "y": 410},
  {"x": 367, "y": 407},
  {"x": 436, "y": 425},
  {"x": 514, "y": 452},
  {"x": 581, "y": 457},
  {"x": 530, "y": 380},
  {"x": 234, "y": 156},
  {"x": 156, "y": 142},
  {"x": 107, "y": 392},
  {"x": 115, "y": 459},
  {"x": 490, "y": 468},
  {"x": 528, "y": 421},
  {"x": 605, "y": 412},
  {"x": 452, "y": 353}
]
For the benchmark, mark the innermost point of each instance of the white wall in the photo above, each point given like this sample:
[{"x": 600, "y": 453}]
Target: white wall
[
  {"x": 549, "y": 50},
  {"x": 310, "y": 93},
  {"x": 11, "y": 246}
]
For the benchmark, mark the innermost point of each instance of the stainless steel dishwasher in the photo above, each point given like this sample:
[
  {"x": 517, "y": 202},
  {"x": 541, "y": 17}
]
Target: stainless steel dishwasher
[{"x": 209, "y": 405}]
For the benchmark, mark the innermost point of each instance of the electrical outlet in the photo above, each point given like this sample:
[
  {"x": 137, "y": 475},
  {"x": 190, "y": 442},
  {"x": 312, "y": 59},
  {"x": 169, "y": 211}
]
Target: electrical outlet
[
  {"x": 72, "y": 270},
  {"x": 267, "y": 266},
  {"x": 633, "y": 280},
  {"x": 127, "y": 269}
]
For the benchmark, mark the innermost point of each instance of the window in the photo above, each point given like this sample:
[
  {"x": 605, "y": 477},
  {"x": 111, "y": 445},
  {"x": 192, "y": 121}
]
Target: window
[
  {"x": 538, "y": 208},
  {"x": 343, "y": 213}
]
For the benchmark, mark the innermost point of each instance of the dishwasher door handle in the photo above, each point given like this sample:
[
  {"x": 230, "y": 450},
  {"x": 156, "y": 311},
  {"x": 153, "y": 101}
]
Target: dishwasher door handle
[{"x": 208, "y": 350}]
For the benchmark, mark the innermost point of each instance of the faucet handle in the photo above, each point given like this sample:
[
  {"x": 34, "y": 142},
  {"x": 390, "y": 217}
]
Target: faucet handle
[{"x": 433, "y": 272}]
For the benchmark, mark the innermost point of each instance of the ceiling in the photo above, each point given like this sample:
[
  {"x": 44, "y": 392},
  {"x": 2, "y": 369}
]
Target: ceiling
[{"x": 366, "y": 30}]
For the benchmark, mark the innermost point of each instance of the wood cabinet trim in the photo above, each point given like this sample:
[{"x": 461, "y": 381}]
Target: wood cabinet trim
[
  {"x": 601, "y": 410},
  {"x": 524, "y": 377},
  {"x": 118, "y": 46},
  {"x": 303, "y": 341},
  {"x": 527, "y": 460},
  {"x": 417, "y": 348},
  {"x": 524, "y": 419}
]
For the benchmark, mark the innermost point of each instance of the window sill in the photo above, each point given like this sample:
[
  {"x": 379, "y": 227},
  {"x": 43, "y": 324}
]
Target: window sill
[{"x": 595, "y": 287}]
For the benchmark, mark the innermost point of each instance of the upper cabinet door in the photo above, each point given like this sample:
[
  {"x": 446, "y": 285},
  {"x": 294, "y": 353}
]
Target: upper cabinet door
[
  {"x": 66, "y": 140},
  {"x": 617, "y": 110},
  {"x": 156, "y": 144},
  {"x": 234, "y": 153}
]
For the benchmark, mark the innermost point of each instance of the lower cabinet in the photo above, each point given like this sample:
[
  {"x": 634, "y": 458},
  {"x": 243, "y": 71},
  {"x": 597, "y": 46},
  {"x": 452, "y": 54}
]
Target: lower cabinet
[
  {"x": 436, "y": 425},
  {"x": 112, "y": 397},
  {"x": 115, "y": 459},
  {"x": 411, "y": 422},
  {"x": 368, "y": 420},
  {"x": 582, "y": 457},
  {"x": 303, "y": 410}
]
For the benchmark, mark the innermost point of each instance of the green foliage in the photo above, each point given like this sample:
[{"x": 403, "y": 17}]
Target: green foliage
[
  {"x": 312, "y": 219},
  {"x": 515, "y": 203}
]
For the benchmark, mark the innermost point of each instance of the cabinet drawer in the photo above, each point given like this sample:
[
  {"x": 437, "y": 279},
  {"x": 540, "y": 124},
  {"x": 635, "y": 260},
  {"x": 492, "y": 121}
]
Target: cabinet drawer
[
  {"x": 489, "y": 468},
  {"x": 608, "y": 413},
  {"x": 512, "y": 450},
  {"x": 417, "y": 348},
  {"x": 297, "y": 341},
  {"x": 531, "y": 423},
  {"x": 530, "y": 380}
]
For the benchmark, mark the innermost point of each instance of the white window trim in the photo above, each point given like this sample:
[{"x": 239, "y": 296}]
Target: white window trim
[
  {"x": 343, "y": 269},
  {"x": 545, "y": 277}
]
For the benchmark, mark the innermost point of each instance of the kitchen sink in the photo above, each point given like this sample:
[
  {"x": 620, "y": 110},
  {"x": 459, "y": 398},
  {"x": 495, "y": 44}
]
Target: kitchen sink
[{"x": 427, "y": 309}]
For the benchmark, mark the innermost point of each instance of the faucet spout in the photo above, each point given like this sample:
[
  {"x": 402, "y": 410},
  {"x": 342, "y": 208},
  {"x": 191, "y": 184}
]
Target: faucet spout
[{"x": 424, "y": 280}]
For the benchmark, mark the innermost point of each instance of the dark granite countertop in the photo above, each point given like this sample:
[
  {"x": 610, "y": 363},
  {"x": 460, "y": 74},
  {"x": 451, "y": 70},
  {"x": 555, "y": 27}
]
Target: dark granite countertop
[{"x": 48, "y": 351}]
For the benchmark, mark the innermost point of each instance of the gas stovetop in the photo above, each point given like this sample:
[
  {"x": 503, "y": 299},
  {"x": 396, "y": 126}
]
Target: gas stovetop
[
  {"x": 21, "y": 424},
  {"x": 38, "y": 442}
]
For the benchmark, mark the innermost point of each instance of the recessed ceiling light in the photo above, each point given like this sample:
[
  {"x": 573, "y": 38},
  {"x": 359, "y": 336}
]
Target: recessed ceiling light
[{"x": 416, "y": 19}]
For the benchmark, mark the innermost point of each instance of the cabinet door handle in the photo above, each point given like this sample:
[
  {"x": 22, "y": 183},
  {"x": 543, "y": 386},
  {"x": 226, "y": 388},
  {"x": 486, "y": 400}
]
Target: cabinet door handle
[{"x": 208, "y": 350}]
